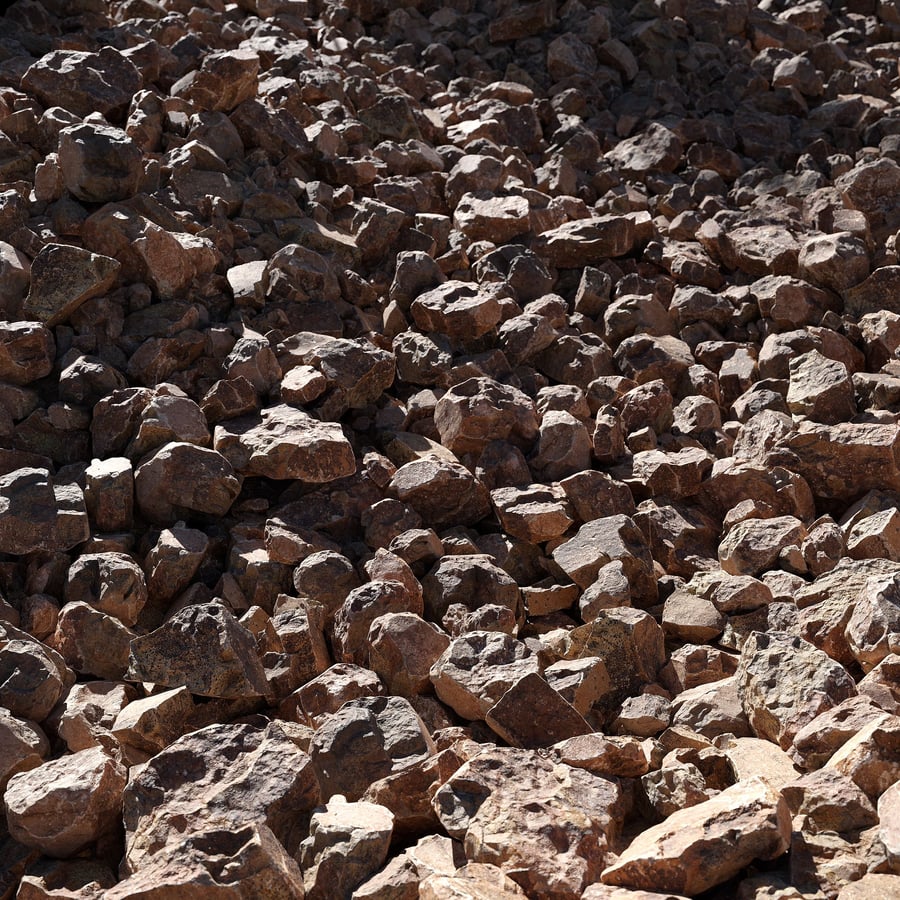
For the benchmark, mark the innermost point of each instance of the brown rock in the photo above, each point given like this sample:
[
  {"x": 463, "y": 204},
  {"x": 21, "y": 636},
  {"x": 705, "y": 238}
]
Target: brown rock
[
  {"x": 237, "y": 775},
  {"x": 24, "y": 746},
  {"x": 109, "y": 494},
  {"x": 367, "y": 739},
  {"x": 203, "y": 648},
  {"x": 532, "y": 714},
  {"x": 474, "y": 881},
  {"x": 785, "y": 682},
  {"x": 705, "y": 845},
  {"x": 402, "y": 649},
  {"x": 85, "y": 715},
  {"x": 154, "y": 722},
  {"x": 477, "y": 668},
  {"x": 99, "y": 164},
  {"x": 64, "y": 805},
  {"x": 32, "y": 676},
  {"x": 111, "y": 582},
  {"x": 283, "y": 442},
  {"x": 92, "y": 642},
  {"x": 62, "y": 278},
  {"x": 870, "y": 756},
  {"x": 820, "y": 389},
  {"x": 442, "y": 492},
  {"x": 587, "y": 241},
  {"x": 507, "y": 804},
  {"x": 223, "y": 81}
]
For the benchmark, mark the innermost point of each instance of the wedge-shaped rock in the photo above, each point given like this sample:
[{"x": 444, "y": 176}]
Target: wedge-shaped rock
[
  {"x": 784, "y": 683},
  {"x": 587, "y": 241},
  {"x": 284, "y": 442},
  {"x": 532, "y": 714},
  {"x": 347, "y": 843},
  {"x": 871, "y": 758},
  {"x": 23, "y": 746},
  {"x": 460, "y": 310},
  {"x": 221, "y": 778},
  {"x": 181, "y": 479},
  {"x": 203, "y": 648},
  {"x": 65, "y": 804},
  {"x": 62, "y": 278},
  {"x": 548, "y": 825},
  {"x": 697, "y": 848},
  {"x": 475, "y": 881},
  {"x": 474, "y": 672}
]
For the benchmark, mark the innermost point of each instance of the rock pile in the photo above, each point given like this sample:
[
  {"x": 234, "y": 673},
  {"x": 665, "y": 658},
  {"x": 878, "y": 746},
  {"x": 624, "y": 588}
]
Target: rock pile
[{"x": 450, "y": 450}]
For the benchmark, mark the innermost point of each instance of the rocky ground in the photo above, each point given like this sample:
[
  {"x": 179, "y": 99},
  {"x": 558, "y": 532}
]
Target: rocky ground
[{"x": 450, "y": 450}]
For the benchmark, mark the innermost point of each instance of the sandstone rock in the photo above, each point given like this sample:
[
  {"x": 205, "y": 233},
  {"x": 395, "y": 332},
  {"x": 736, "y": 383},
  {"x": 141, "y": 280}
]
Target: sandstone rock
[
  {"x": 869, "y": 757},
  {"x": 347, "y": 843},
  {"x": 64, "y": 805},
  {"x": 182, "y": 479},
  {"x": 367, "y": 739},
  {"x": 754, "y": 545},
  {"x": 474, "y": 881},
  {"x": 203, "y": 648},
  {"x": 587, "y": 241},
  {"x": 785, "y": 683},
  {"x": 700, "y": 847}
]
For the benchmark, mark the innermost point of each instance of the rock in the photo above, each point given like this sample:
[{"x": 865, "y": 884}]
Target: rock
[
  {"x": 477, "y": 668},
  {"x": 203, "y": 648},
  {"x": 24, "y": 746},
  {"x": 328, "y": 692},
  {"x": 236, "y": 776},
  {"x": 532, "y": 513},
  {"x": 820, "y": 389},
  {"x": 367, "y": 739},
  {"x": 456, "y": 309},
  {"x": 63, "y": 278},
  {"x": 702, "y": 846},
  {"x": 36, "y": 514},
  {"x": 64, "y": 805},
  {"x": 283, "y": 442},
  {"x": 91, "y": 642},
  {"x": 402, "y": 649},
  {"x": 160, "y": 483},
  {"x": 506, "y": 803},
  {"x": 479, "y": 410},
  {"x": 27, "y": 351},
  {"x": 151, "y": 724},
  {"x": 109, "y": 494},
  {"x": 474, "y": 881},
  {"x": 32, "y": 677},
  {"x": 587, "y": 241},
  {"x": 656, "y": 149},
  {"x": 601, "y": 541},
  {"x": 83, "y": 82},
  {"x": 174, "y": 560},
  {"x": 831, "y": 802},
  {"x": 754, "y": 545},
  {"x": 869, "y": 757},
  {"x": 223, "y": 81},
  {"x": 99, "y": 164},
  {"x": 785, "y": 682},
  {"x": 442, "y": 492},
  {"x": 111, "y": 582},
  {"x": 347, "y": 843},
  {"x": 532, "y": 714}
]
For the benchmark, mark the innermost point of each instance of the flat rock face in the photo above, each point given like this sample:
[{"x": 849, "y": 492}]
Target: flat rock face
[
  {"x": 677, "y": 855},
  {"x": 449, "y": 450}
]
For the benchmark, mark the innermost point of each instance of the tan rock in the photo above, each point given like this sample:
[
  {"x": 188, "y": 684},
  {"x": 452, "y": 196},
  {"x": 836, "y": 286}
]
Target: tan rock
[
  {"x": 23, "y": 746},
  {"x": 751, "y": 756},
  {"x": 32, "y": 676},
  {"x": 474, "y": 881},
  {"x": 616, "y": 756},
  {"x": 697, "y": 848},
  {"x": 872, "y": 886},
  {"x": 92, "y": 642},
  {"x": 873, "y": 631},
  {"x": 85, "y": 715},
  {"x": 347, "y": 843},
  {"x": 62, "y": 806},
  {"x": 870, "y": 757},
  {"x": 508, "y": 804},
  {"x": 202, "y": 648},
  {"x": 889, "y": 824},
  {"x": 152, "y": 723},
  {"x": 785, "y": 683},
  {"x": 113, "y": 583},
  {"x": 402, "y": 649},
  {"x": 477, "y": 668},
  {"x": 328, "y": 692}
]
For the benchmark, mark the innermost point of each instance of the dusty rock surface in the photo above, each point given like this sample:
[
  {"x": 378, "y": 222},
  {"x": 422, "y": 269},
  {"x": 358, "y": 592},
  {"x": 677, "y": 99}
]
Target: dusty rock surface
[{"x": 449, "y": 451}]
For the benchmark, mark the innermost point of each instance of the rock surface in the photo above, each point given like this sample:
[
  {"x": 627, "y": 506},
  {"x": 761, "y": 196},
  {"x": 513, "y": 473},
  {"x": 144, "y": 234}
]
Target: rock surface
[{"x": 449, "y": 450}]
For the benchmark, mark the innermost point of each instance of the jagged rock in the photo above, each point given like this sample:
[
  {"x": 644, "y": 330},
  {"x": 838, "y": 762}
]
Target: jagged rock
[
  {"x": 219, "y": 779},
  {"x": 704, "y": 845},
  {"x": 203, "y": 648},
  {"x": 366, "y": 739},
  {"x": 63, "y": 805},
  {"x": 283, "y": 442}
]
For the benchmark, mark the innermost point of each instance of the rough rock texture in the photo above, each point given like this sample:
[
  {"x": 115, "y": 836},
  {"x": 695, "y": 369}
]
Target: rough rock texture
[{"x": 481, "y": 418}]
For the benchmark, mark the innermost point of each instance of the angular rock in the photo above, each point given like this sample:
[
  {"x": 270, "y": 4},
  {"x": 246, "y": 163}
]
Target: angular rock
[{"x": 204, "y": 649}]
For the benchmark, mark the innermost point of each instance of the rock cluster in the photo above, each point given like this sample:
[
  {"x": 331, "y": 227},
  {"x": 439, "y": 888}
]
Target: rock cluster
[{"x": 450, "y": 450}]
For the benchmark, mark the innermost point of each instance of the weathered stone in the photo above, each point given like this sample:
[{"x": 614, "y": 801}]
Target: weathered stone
[
  {"x": 506, "y": 804},
  {"x": 442, "y": 492},
  {"x": 284, "y": 442},
  {"x": 220, "y": 778},
  {"x": 91, "y": 641},
  {"x": 62, "y": 806},
  {"x": 367, "y": 739},
  {"x": 786, "y": 682},
  {"x": 24, "y": 746},
  {"x": 700, "y": 847},
  {"x": 182, "y": 479},
  {"x": 151, "y": 724},
  {"x": 203, "y": 648},
  {"x": 402, "y": 649},
  {"x": 63, "y": 278}
]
